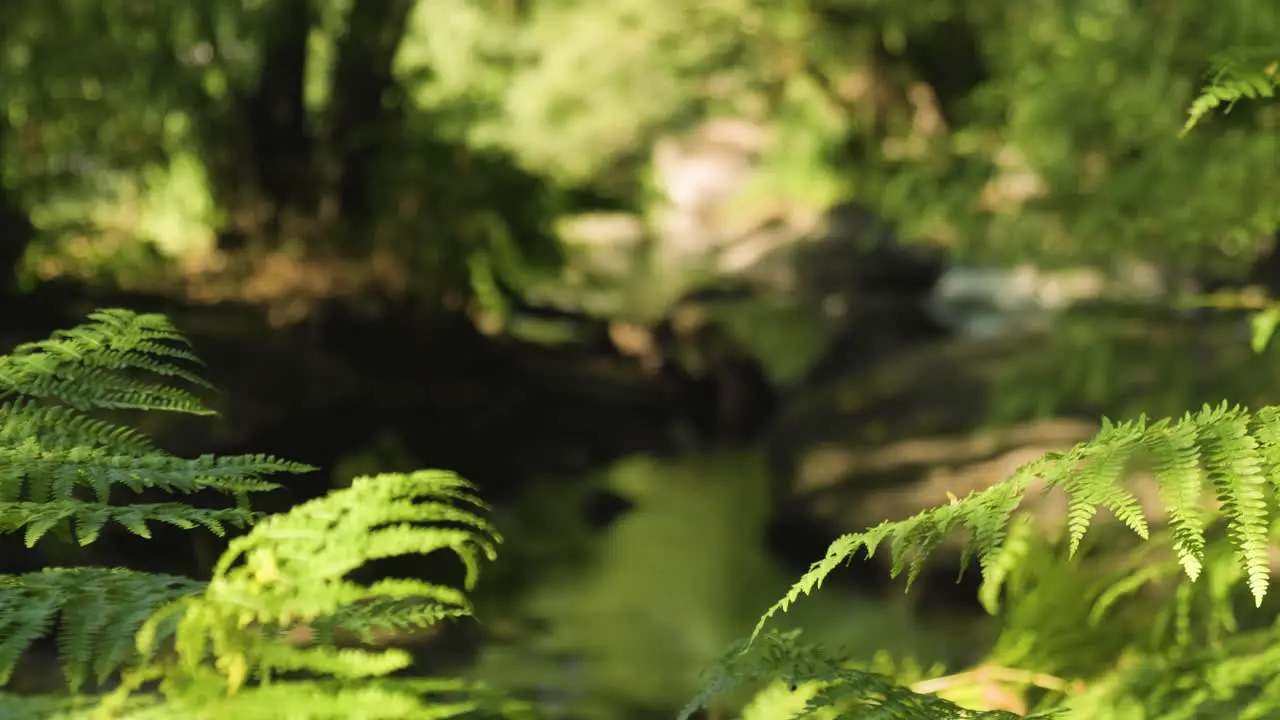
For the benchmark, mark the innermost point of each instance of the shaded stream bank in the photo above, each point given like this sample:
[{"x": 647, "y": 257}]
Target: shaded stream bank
[
  {"x": 636, "y": 500},
  {"x": 653, "y": 512}
]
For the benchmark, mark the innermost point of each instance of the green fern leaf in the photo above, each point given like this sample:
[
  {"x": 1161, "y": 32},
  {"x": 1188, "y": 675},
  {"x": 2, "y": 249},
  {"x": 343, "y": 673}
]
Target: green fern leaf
[
  {"x": 62, "y": 428},
  {"x": 380, "y": 699},
  {"x": 295, "y": 568},
  {"x": 1236, "y": 76},
  {"x": 849, "y": 691},
  {"x": 1013, "y": 551},
  {"x": 100, "y": 610},
  {"x": 1239, "y": 452},
  {"x": 1180, "y": 480},
  {"x": 1235, "y": 470},
  {"x": 48, "y": 480},
  {"x": 89, "y": 366},
  {"x": 36, "y": 519}
]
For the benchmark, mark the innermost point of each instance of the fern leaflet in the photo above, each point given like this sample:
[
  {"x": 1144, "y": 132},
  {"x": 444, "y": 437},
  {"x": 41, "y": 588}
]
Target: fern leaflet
[
  {"x": 293, "y": 568},
  {"x": 1235, "y": 76}
]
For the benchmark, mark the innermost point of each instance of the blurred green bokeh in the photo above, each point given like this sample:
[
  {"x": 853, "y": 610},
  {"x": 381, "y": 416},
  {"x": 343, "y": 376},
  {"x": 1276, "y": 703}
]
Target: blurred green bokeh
[{"x": 443, "y": 130}]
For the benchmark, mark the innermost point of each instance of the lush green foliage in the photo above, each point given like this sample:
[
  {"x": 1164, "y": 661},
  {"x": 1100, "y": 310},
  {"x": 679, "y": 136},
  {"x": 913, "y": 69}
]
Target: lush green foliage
[
  {"x": 1236, "y": 75},
  {"x": 1031, "y": 131},
  {"x": 833, "y": 684},
  {"x": 445, "y": 130},
  {"x": 1223, "y": 453},
  {"x": 1113, "y": 617},
  {"x": 226, "y": 647}
]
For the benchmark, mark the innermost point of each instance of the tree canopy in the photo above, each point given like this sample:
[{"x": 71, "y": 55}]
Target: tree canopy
[{"x": 451, "y": 134}]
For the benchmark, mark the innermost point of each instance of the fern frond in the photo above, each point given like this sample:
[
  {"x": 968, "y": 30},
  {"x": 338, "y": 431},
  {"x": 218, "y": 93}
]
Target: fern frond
[
  {"x": 383, "y": 699},
  {"x": 1180, "y": 482},
  {"x": 293, "y": 568},
  {"x": 850, "y": 692},
  {"x": 59, "y": 468},
  {"x": 58, "y": 427},
  {"x": 1013, "y": 552},
  {"x": 97, "y": 611},
  {"x": 379, "y": 699},
  {"x": 47, "y": 707},
  {"x": 37, "y": 519},
  {"x": 90, "y": 366},
  {"x": 1235, "y": 76},
  {"x": 1235, "y": 467},
  {"x": 39, "y": 484},
  {"x": 56, "y": 474},
  {"x": 368, "y": 620},
  {"x": 1234, "y": 679},
  {"x": 51, "y": 455},
  {"x": 1230, "y": 450},
  {"x": 986, "y": 515}
]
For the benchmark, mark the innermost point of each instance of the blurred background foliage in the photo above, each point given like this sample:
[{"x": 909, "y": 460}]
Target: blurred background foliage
[
  {"x": 521, "y": 160},
  {"x": 440, "y": 130}
]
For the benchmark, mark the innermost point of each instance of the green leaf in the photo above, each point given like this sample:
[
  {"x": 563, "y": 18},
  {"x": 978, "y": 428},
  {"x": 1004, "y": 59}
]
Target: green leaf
[{"x": 1264, "y": 326}]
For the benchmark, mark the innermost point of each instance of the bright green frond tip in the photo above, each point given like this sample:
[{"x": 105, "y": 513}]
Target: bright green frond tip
[
  {"x": 294, "y": 568},
  {"x": 1236, "y": 76},
  {"x": 103, "y": 363},
  {"x": 60, "y": 468}
]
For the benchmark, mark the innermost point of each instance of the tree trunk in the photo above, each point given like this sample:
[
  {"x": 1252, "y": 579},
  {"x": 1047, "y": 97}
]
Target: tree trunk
[
  {"x": 276, "y": 118},
  {"x": 361, "y": 108},
  {"x": 16, "y": 230}
]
